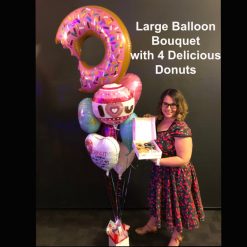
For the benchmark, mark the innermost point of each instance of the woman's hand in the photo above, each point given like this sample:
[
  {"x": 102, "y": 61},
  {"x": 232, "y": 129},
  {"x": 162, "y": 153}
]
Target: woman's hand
[{"x": 156, "y": 161}]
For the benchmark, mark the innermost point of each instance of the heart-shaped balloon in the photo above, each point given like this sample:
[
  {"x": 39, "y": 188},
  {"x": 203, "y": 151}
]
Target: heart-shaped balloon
[
  {"x": 124, "y": 161},
  {"x": 134, "y": 84},
  {"x": 104, "y": 151}
]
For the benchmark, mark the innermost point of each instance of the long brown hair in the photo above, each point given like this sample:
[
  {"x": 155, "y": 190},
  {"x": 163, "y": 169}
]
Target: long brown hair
[{"x": 182, "y": 106}]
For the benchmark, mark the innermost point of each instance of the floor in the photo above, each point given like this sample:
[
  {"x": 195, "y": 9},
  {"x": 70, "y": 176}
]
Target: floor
[{"x": 80, "y": 227}]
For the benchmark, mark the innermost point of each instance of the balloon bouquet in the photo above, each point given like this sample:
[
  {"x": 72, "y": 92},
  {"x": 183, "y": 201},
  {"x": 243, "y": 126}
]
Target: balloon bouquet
[{"x": 107, "y": 117}]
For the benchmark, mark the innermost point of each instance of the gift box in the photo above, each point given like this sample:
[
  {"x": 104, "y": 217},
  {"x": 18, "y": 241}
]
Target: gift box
[
  {"x": 124, "y": 242},
  {"x": 144, "y": 136},
  {"x": 117, "y": 233}
]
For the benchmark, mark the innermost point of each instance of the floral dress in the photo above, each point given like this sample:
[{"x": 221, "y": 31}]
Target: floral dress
[{"x": 174, "y": 195}]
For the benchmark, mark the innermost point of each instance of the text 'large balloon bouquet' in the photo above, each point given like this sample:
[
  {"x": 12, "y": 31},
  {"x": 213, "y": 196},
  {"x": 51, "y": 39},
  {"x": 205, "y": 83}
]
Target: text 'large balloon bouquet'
[{"x": 107, "y": 117}]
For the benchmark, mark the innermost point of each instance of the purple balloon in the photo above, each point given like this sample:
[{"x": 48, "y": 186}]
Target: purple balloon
[{"x": 108, "y": 130}]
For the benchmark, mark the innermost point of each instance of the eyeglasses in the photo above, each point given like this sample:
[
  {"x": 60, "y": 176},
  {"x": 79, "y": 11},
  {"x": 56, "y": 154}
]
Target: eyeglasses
[{"x": 172, "y": 105}]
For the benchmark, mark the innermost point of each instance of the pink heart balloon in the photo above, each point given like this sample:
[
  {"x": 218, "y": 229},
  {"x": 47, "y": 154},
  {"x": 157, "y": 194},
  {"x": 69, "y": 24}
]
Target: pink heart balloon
[{"x": 134, "y": 84}]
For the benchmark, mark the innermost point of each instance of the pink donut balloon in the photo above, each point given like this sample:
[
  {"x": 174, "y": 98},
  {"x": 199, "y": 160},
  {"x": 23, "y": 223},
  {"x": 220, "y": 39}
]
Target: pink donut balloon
[{"x": 102, "y": 23}]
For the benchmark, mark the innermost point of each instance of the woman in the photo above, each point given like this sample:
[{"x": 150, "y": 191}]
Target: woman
[{"x": 174, "y": 196}]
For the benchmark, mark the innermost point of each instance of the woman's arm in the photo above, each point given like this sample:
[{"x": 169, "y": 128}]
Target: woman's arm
[{"x": 183, "y": 146}]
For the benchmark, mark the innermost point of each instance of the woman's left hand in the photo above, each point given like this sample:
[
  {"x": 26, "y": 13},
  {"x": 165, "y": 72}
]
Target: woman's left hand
[{"x": 156, "y": 161}]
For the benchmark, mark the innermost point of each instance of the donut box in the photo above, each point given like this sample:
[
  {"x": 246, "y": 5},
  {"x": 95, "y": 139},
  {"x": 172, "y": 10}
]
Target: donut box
[{"x": 144, "y": 136}]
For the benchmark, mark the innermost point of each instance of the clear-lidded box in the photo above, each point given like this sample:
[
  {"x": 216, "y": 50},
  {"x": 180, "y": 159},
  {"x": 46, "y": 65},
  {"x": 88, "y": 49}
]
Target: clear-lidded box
[{"x": 144, "y": 136}]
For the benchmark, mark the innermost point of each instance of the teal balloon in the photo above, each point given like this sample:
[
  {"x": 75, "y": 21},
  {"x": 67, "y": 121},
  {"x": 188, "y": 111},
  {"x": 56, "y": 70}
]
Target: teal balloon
[
  {"x": 88, "y": 122},
  {"x": 126, "y": 131}
]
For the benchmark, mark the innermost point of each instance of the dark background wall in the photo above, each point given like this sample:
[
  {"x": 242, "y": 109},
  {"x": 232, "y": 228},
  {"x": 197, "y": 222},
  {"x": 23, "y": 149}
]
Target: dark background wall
[{"x": 65, "y": 175}]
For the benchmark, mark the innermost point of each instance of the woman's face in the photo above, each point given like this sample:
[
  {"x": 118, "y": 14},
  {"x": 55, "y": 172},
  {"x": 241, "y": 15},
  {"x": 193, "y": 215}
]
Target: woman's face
[{"x": 169, "y": 107}]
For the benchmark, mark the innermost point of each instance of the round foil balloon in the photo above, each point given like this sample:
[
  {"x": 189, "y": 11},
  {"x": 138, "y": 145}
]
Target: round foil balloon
[
  {"x": 88, "y": 122},
  {"x": 126, "y": 131},
  {"x": 113, "y": 104},
  {"x": 134, "y": 84}
]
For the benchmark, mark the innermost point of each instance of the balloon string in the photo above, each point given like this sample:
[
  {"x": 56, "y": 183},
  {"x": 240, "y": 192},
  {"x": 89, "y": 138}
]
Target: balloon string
[
  {"x": 118, "y": 189},
  {"x": 125, "y": 189},
  {"x": 109, "y": 191},
  {"x": 115, "y": 207},
  {"x": 118, "y": 196},
  {"x": 122, "y": 197},
  {"x": 111, "y": 185},
  {"x": 115, "y": 126},
  {"x": 117, "y": 200}
]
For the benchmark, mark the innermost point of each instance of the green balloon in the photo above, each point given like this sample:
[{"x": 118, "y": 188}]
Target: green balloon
[{"x": 126, "y": 131}]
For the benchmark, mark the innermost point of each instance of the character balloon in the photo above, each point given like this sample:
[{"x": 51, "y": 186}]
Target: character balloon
[{"x": 113, "y": 104}]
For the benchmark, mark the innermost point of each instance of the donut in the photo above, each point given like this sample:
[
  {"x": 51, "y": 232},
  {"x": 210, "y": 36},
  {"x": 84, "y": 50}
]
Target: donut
[{"x": 102, "y": 23}]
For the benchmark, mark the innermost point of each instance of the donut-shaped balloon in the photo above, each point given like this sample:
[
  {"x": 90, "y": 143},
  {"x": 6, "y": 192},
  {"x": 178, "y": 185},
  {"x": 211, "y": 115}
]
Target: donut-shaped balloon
[{"x": 102, "y": 23}]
